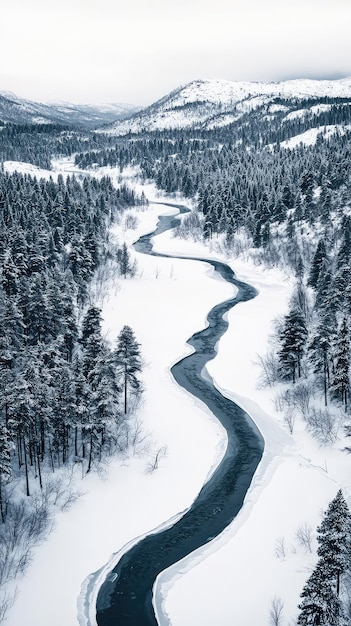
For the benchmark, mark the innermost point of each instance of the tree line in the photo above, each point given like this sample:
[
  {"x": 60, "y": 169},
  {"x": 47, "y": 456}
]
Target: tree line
[
  {"x": 325, "y": 598},
  {"x": 64, "y": 392}
]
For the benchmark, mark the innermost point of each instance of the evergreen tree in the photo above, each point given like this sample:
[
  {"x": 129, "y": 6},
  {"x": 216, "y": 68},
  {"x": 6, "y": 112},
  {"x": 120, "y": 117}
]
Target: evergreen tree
[
  {"x": 344, "y": 254},
  {"x": 63, "y": 416},
  {"x": 320, "y": 604},
  {"x": 341, "y": 375},
  {"x": 319, "y": 260},
  {"x": 334, "y": 539},
  {"x": 128, "y": 362},
  {"x": 320, "y": 352},
  {"x": 293, "y": 340},
  {"x": 5, "y": 464},
  {"x": 91, "y": 324},
  {"x": 126, "y": 267}
]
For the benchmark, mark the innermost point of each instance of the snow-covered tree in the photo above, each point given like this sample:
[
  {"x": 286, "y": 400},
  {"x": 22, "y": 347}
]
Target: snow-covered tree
[
  {"x": 341, "y": 376},
  {"x": 334, "y": 539},
  {"x": 128, "y": 362},
  {"x": 91, "y": 324},
  {"x": 320, "y": 605},
  {"x": 319, "y": 261},
  {"x": 126, "y": 267},
  {"x": 5, "y": 463},
  {"x": 292, "y": 341},
  {"x": 320, "y": 352}
]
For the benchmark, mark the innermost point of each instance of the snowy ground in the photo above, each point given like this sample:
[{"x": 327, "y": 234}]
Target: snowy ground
[{"x": 241, "y": 573}]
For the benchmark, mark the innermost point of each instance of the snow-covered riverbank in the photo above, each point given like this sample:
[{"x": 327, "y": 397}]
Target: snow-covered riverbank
[{"x": 165, "y": 304}]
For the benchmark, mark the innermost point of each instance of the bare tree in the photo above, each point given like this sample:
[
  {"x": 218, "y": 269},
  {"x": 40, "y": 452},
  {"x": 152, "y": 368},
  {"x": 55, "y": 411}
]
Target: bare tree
[
  {"x": 280, "y": 548},
  {"x": 153, "y": 464},
  {"x": 289, "y": 419},
  {"x": 304, "y": 535},
  {"x": 269, "y": 369},
  {"x": 322, "y": 423},
  {"x": 301, "y": 396},
  {"x": 140, "y": 439},
  {"x": 6, "y": 602},
  {"x": 282, "y": 400},
  {"x": 130, "y": 222},
  {"x": 276, "y": 612}
]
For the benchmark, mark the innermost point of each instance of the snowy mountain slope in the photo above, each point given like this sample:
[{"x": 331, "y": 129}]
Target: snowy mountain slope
[
  {"x": 20, "y": 111},
  {"x": 199, "y": 103},
  {"x": 309, "y": 137}
]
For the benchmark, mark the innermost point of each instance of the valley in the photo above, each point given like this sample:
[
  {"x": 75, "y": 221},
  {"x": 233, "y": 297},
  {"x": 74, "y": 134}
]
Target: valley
[{"x": 265, "y": 172}]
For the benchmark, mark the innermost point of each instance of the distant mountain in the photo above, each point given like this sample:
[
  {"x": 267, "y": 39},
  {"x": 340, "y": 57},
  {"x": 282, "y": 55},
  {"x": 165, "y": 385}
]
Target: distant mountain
[
  {"x": 214, "y": 103},
  {"x": 20, "y": 111}
]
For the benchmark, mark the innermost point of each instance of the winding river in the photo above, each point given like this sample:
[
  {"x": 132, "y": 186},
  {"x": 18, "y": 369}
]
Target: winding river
[{"x": 127, "y": 600}]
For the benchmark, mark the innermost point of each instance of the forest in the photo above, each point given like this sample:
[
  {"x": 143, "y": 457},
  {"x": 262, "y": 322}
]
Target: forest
[
  {"x": 67, "y": 396},
  {"x": 65, "y": 393}
]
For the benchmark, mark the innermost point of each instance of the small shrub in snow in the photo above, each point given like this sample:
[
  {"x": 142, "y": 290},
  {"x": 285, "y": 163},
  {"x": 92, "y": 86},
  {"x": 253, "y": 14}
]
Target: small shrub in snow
[
  {"x": 289, "y": 419},
  {"x": 301, "y": 395},
  {"x": 282, "y": 400},
  {"x": 269, "y": 373},
  {"x": 323, "y": 425},
  {"x": 154, "y": 463},
  {"x": 130, "y": 222}
]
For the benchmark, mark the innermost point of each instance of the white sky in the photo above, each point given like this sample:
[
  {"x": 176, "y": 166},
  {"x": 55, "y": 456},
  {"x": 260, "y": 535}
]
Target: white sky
[{"x": 137, "y": 51}]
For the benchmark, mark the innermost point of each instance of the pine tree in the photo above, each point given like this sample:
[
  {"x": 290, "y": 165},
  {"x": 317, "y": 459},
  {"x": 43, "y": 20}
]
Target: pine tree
[
  {"x": 5, "y": 464},
  {"x": 334, "y": 538},
  {"x": 91, "y": 324},
  {"x": 320, "y": 352},
  {"x": 128, "y": 362},
  {"x": 293, "y": 340},
  {"x": 344, "y": 254},
  {"x": 126, "y": 267},
  {"x": 319, "y": 259},
  {"x": 341, "y": 376},
  {"x": 320, "y": 604},
  {"x": 63, "y": 418},
  {"x": 105, "y": 395},
  {"x": 20, "y": 420}
]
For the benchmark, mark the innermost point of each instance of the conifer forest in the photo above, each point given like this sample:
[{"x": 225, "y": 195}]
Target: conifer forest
[{"x": 67, "y": 395}]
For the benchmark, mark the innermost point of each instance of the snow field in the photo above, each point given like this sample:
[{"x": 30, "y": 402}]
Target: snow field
[{"x": 258, "y": 557}]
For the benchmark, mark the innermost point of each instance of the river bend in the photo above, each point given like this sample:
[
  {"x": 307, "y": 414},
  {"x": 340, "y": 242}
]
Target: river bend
[{"x": 127, "y": 601}]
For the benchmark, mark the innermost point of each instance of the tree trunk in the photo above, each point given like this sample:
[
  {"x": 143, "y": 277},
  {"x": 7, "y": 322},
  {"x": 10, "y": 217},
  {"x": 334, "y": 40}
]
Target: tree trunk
[
  {"x": 125, "y": 388},
  {"x": 325, "y": 381},
  {"x": 42, "y": 439},
  {"x": 26, "y": 466},
  {"x": 19, "y": 450},
  {"x": 1, "y": 503},
  {"x": 39, "y": 468},
  {"x": 90, "y": 451},
  {"x": 51, "y": 458},
  {"x": 76, "y": 441}
]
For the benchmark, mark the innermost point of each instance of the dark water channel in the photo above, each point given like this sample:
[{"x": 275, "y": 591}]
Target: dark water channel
[{"x": 127, "y": 601}]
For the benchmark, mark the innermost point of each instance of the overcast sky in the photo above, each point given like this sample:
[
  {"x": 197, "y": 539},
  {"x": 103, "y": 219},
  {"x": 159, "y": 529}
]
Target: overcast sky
[{"x": 136, "y": 51}]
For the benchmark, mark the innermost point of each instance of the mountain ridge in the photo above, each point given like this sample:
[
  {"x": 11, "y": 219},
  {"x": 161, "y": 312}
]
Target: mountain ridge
[
  {"x": 17, "y": 110},
  {"x": 196, "y": 103}
]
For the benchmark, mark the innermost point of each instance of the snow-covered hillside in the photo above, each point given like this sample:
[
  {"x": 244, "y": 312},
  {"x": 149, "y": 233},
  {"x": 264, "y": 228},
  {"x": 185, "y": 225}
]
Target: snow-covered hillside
[
  {"x": 203, "y": 102},
  {"x": 296, "y": 479},
  {"x": 20, "y": 111}
]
